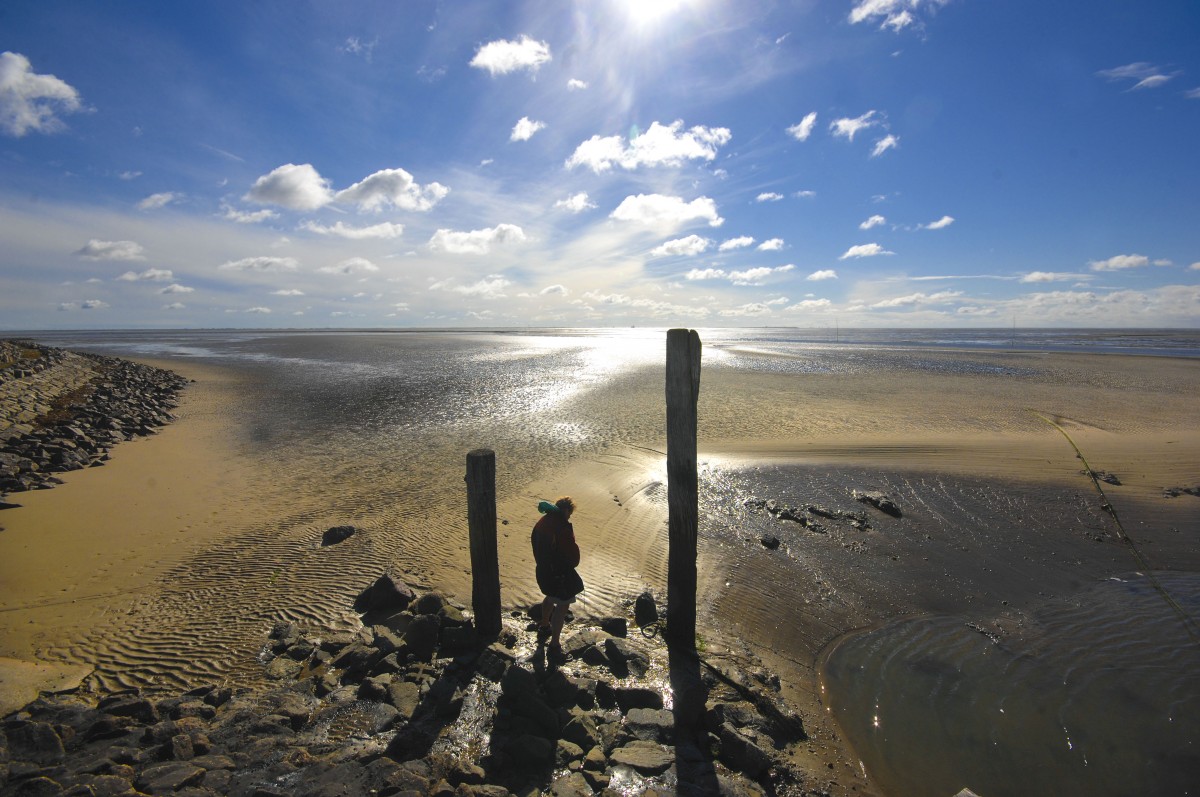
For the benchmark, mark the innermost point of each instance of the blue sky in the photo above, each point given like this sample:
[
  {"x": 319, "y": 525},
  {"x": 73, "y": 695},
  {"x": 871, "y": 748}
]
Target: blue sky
[{"x": 599, "y": 162}]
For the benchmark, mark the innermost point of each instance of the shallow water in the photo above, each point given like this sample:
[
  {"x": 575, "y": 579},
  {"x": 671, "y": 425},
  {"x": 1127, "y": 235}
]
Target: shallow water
[{"x": 1099, "y": 696}]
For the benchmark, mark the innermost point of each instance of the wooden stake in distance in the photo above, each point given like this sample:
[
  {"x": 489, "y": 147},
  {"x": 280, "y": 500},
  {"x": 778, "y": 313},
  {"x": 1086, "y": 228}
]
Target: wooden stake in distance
[
  {"x": 481, "y": 521},
  {"x": 683, "y": 391}
]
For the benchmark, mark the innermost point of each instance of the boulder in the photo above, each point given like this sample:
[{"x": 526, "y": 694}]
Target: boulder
[
  {"x": 625, "y": 658},
  {"x": 389, "y": 593},
  {"x": 880, "y": 501},
  {"x": 615, "y": 626},
  {"x": 36, "y": 742},
  {"x": 337, "y": 534},
  {"x": 530, "y": 750},
  {"x": 631, "y": 697},
  {"x": 645, "y": 610},
  {"x": 650, "y": 724},
  {"x": 770, "y": 542},
  {"x": 571, "y": 785},
  {"x": 742, "y": 754},
  {"x": 169, "y": 777},
  {"x": 422, "y": 636},
  {"x": 648, "y": 758}
]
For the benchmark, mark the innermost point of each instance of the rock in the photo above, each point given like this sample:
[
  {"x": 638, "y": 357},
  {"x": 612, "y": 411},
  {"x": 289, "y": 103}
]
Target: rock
[
  {"x": 457, "y": 641},
  {"x": 405, "y": 697},
  {"x": 587, "y": 645},
  {"x": 494, "y": 661},
  {"x": 430, "y": 603},
  {"x": 614, "y": 626},
  {"x": 356, "y": 660},
  {"x": 631, "y": 697},
  {"x": 169, "y": 777},
  {"x": 132, "y": 706},
  {"x": 1104, "y": 476},
  {"x": 769, "y": 542},
  {"x": 36, "y": 742},
  {"x": 337, "y": 534},
  {"x": 520, "y": 695},
  {"x": 389, "y": 593},
  {"x": 566, "y": 753},
  {"x": 630, "y": 660},
  {"x": 878, "y": 500},
  {"x": 571, "y": 785},
  {"x": 422, "y": 636},
  {"x": 740, "y": 753},
  {"x": 648, "y": 758},
  {"x": 39, "y": 786},
  {"x": 650, "y": 724},
  {"x": 529, "y": 750},
  {"x": 579, "y": 728},
  {"x": 645, "y": 610},
  {"x": 595, "y": 760}
]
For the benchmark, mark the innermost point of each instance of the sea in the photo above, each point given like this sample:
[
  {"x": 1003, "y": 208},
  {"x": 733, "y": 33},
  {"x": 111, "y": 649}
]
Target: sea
[{"x": 1097, "y": 694}]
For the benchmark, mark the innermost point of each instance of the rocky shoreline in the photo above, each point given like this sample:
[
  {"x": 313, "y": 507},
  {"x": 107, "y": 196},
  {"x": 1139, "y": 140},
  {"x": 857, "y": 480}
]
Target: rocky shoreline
[
  {"x": 62, "y": 410},
  {"x": 415, "y": 703}
]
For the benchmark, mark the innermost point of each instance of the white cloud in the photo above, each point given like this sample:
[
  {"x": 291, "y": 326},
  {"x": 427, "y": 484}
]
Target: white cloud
[
  {"x": 768, "y": 196},
  {"x": 894, "y": 14},
  {"x": 691, "y": 245},
  {"x": 940, "y": 224},
  {"x": 576, "y": 85},
  {"x": 259, "y": 310},
  {"x": 149, "y": 275},
  {"x": 1195, "y": 266},
  {"x": 750, "y": 276},
  {"x": 392, "y": 188},
  {"x": 175, "y": 306},
  {"x": 771, "y": 245},
  {"x": 1193, "y": 94},
  {"x": 350, "y": 266},
  {"x": 156, "y": 201},
  {"x": 264, "y": 264},
  {"x": 175, "y": 287},
  {"x": 357, "y": 46},
  {"x": 746, "y": 310},
  {"x": 649, "y": 306},
  {"x": 86, "y": 304},
  {"x": 287, "y": 292},
  {"x": 298, "y": 187},
  {"x": 476, "y": 242},
  {"x": 666, "y": 211},
  {"x": 736, "y": 243},
  {"x": 848, "y": 128},
  {"x": 32, "y": 102},
  {"x": 884, "y": 144},
  {"x": 1052, "y": 276},
  {"x": 554, "y": 290},
  {"x": 303, "y": 188},
  {"x": 111, "y": 250},
  {"x": 247, "y": 217},
  {"x": 1162, "y": 261},
  {"x": 914, "y": 299},
  {"x": 524, "y": 129},
  {"x": 661, "y": 145},
  {"x": 811, "y": 304},
  {"x": 576, "y": 203},
  {"x": 490, "y": 287},
  {"x": 1119, "y": 262},
  {"x": 129, "y": 175},
  {"x": 502, "y": 56},
  {"x": 385, "y": 230},
  {"x": 804, "y": 194},
  {"x": 865, "y": 250},
  {"x": 804, "y": 128},
  {"x": 874, "y": 221},
  {"x": 1144, "y": 75},
  {"x": 823, "y": 274}
]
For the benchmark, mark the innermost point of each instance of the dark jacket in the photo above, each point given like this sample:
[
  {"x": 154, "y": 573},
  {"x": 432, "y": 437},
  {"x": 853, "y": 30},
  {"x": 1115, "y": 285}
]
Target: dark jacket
[{"x": 557, "y": 555}]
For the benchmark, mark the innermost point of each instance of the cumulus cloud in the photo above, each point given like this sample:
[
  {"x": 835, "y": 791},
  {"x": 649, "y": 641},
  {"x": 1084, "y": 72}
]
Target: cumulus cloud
[
  {"x": 746, "y": 310},
  {"x": 874, "y": 221},
  {"x": 247, "y": 217},
  {"x": 691, "y": 245},
  {"x": 524, "y": 129},
  {"x": 490, "y": 287},
  {"x": 750, "y": 276},
  {"x": 894, "y": 14},
  {"x": 502, "y": 56},
  {"x": 149, "y": 275},
  {"x": 287, "y": 292},
  {"x": 476, "y": 242},
  {"x": 804, "y": 128},
  {"x": 176, "y": 288},
  {"x": 847, "y": 128},
  {"x": 884, "y": 144},
  {"x": 804, "y": 194},
  {"x": 392, "y": 188},
  {"x": 175, "y": 306},
  {"x": 156, "y": 201},
  {"x": 1143, "y": 75},
  {"x": 30, "y": 102},
  {"x": 771, "y": 245},
  {"x": 940, "y": 224},
  {"x": 768, "y": 196},
  {"x": 301, "y": 187},
  {"x": 110, "y": 250},
  {"x": 865, "y": 250},
  {"x": 651, "y": 307},
  {"x": 1119, "y": 263},
  {"x": 259, "y": 310},
  {"x": 1195, "y": 266},
  {"x": 129, "y": 175},
  {"x": 576, "y": 203},
  {"x": 385, "y": 230},
  {"x": 1053, "y": 276},
  {"x": 554, "y": 290},
  {"x": 823, "y": 274},
  {"x": 262, "y": 264},
  {"x": 736, "y": 243},
  {"x": 86, "y": 304},
  {"x": 350, "y": 266},
  {"x": 576, "y": 85},
  {"x": 811, "y": 304},
  {"x": 914, "y": 299},
  {"x": 661, "y": 145},
  {"x": 666, "y": 211}
]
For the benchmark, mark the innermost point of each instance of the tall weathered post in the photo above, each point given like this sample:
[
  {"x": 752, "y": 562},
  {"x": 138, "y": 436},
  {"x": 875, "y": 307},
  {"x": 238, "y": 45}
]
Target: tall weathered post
[
  {"x": 481, "y": 520},
  {"x": 683, "y": 390}
]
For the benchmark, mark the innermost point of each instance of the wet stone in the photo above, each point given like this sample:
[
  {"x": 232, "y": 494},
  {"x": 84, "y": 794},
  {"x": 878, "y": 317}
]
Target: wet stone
[{"x": 649, "y": 758}]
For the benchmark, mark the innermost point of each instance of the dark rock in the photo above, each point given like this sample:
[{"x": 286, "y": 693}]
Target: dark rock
[
  {"x": 457, "y": 640},
  {"x": 429, "y": 603},
  {"x": 36, "y": 742},
  {"x": 1104, "y": 476},
  {"x": 337, "y": 534},
  {"x": 631, "y": 697},
  {"x": 110, "y": 786},
  {"x": 405, "y": 697},
  {"x": 740, "y": 753},
  {"x": 879, "y": 500},
  {"x": 422, "y": 636},
  {"x": 530, "y": 750},
  {"x": 39, "y": 786},
  {"x": 648, "y": 758},
  {"x": 132, "y": 706},
  {"x": 169, "y": 777},
  {"x": 494, "y": 661},
  {"x": 631, "y": 660},
  {"x": 615, "y": 626},
  {"x": 389, "y": 593},
  {"x": 587, "y": 645},
  {"x": 356, "y": 660},
  {"x": 769, "y": 542},
  {"x": 520, "y": 695},
  {"x": 567, "y": 753},
  {"x": 571, "y": 785},
  {"x": 579, "y": 728},
  {"x": 649, "y": 724},
  {"x": 645, "y": 610}
]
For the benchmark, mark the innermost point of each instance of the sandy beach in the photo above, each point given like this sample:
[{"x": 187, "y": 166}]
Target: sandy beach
[{"x": 167, "y": 566}]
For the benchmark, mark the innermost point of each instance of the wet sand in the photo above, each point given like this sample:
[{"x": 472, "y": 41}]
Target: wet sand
[{"x": 167, "y": 566}]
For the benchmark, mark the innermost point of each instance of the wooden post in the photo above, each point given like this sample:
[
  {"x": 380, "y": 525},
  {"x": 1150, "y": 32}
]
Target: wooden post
[
  {"x": 683, "y": 390},
  {"x": 481, "y": 520}
]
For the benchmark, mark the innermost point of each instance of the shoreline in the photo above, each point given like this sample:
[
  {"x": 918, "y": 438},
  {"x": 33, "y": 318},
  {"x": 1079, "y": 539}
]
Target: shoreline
[{"x": 228, "y": 504}]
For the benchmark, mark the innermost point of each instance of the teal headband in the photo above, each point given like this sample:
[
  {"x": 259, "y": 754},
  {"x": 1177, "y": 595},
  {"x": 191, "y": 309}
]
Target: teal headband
[{"x": 545, "y": 507}]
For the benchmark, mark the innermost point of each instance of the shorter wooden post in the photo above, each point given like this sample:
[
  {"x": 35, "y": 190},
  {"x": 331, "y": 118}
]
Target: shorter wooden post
[
  {"x": 683, "y": 391},
  {"x": 481, "y": 521}
]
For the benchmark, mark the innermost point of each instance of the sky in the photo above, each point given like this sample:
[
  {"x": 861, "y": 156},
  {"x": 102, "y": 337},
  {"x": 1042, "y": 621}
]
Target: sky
[{"x": 706, "y": 163}]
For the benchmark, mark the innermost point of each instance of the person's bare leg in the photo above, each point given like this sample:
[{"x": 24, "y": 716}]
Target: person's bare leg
[
  {"x": 547, "y": 606},
  {"x": 556, "y": 624}
]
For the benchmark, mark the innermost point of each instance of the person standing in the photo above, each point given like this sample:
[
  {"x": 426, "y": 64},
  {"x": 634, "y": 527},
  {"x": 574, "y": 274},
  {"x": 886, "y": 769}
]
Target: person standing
[{"x": 556, "y": 555}]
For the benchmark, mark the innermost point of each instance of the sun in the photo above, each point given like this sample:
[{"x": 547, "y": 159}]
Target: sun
[{"x": 646, "y": 14}]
